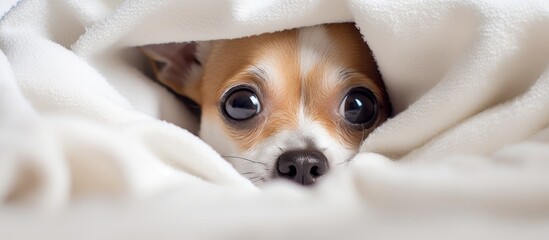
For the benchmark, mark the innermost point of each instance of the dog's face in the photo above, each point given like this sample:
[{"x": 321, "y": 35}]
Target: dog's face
[{"x": 290, "y": 104}]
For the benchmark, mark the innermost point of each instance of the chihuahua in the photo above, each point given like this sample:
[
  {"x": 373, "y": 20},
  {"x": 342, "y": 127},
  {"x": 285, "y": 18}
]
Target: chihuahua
[{"x": 289, "y": 104}]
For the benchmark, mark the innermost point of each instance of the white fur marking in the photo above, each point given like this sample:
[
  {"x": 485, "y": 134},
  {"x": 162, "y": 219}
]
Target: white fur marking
[{"x": 314, "y": 43}]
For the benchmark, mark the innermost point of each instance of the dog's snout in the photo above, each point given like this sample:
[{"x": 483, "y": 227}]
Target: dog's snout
[{"x": 302, "y": 166}]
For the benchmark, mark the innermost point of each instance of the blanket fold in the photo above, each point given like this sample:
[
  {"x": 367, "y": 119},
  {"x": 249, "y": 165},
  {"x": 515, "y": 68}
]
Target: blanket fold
[{"x": 469, "y": 82}]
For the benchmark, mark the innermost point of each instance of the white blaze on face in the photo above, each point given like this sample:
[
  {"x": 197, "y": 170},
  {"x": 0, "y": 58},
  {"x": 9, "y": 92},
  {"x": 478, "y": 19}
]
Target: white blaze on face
[{"x": 314, "y": 44}]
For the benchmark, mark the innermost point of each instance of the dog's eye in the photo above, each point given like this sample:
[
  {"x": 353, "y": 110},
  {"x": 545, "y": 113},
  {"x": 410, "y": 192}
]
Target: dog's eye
[
  {"x": 359, "y": 106},
  {"x": 241, "y": 104}
]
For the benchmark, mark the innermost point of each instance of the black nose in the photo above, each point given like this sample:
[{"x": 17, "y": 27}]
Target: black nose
[{"x": 302, "y": 166}]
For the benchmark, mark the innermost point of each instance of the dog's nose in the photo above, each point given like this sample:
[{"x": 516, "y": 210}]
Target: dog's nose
[{"x": 302, "y": 166}]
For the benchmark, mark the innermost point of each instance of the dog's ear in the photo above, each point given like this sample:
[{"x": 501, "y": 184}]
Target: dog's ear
[{"x": 176, "y": 65}]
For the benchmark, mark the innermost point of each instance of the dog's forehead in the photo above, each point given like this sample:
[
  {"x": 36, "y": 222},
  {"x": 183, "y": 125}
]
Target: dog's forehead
[
  {"x": 311, "y": 49},
  {"x": 294, "y": 52}
]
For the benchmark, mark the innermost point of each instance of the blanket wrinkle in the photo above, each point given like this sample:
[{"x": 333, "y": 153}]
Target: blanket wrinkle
[
  {"x": 473, "y": 85},
  {"x": 88, "y": 137}
]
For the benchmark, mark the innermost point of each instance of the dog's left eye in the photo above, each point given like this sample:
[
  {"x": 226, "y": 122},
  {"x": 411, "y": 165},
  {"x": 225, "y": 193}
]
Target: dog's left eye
[
  {"x": 241, "y": 104},
  {"x": 359, "y": 107}
]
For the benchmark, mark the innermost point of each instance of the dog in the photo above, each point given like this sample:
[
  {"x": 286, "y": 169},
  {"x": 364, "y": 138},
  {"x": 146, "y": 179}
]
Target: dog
[{"x": 290, "y": 104}]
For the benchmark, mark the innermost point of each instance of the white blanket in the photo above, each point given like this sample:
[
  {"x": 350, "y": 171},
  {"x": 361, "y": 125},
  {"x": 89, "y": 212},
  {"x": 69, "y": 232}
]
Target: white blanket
[{"x": 85, "y": 133}]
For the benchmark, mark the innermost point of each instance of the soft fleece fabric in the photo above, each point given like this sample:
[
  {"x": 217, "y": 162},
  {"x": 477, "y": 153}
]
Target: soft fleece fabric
[{"x": 85, "y": 133}]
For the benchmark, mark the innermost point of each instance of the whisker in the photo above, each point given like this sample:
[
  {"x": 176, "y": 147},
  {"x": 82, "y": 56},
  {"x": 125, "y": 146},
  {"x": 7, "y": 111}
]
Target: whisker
[
  {"x": 348, "y": 160},
  {"x": 260, "y": 179},
  {"x": 245, "y": 159},
  {"x": 279, "y": 148},
  {"x": 256, "y": 177},
  {"x": 341, "y": 163}
]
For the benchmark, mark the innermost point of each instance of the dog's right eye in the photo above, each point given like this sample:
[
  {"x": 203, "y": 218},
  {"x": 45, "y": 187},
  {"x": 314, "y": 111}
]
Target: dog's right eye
[{"x": 241, "y": 104}]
